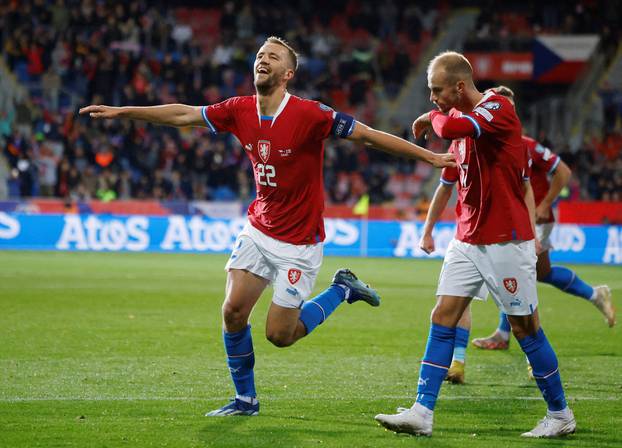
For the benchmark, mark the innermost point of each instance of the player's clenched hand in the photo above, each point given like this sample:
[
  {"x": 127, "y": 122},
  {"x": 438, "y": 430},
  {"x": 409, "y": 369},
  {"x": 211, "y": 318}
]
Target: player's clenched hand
[
  {"x": 542, "y": 213},
  {"x": 421, "y": 125},
  {"x": 443, "y": 160},
  {"x": 426, "y": 243},
  {"x": 99, "y": 111}
]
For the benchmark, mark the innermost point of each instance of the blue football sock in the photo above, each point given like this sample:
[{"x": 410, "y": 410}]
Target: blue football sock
[
  {"x": 317, "y": 310},
  {"x": 504, "y": 323},
  {"x": 435, "y": 364},
  {"x": 460, "y": 344},
  {"x": 545, "y": 369},
  {"x": 241, "y": 360},
  {"x": 568, "y": 281}
]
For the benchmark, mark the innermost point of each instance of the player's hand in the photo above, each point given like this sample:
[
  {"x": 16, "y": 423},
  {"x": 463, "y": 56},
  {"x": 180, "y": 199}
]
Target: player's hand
[
  {"x": 538, "y": 246},
  {"x": 99, "y": 111},
  {"x": 542, "y": 213},
  {"x": 443, "y": 160},
  {"x": 421, "y": 125},
  {"x": 426, "y": 243}
]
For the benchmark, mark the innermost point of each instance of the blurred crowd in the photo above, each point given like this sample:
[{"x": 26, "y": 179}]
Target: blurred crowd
[
  {"x": 69, "y": 53},
  {"x": 72, "y": 53},
  {"x": 597, "y": 169}
]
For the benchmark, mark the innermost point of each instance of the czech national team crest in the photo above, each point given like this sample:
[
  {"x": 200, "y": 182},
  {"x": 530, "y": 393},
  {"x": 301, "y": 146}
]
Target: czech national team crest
[
  {"x": 263, "y": 147},
  {"x": 510, "y": 284},
  {"x": 293, "y": 275}
]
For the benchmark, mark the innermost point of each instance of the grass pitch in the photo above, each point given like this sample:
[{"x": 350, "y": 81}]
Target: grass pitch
[{"x": 111, "y": 350}]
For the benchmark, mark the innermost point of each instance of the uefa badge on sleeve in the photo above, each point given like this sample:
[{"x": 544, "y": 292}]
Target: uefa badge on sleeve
[{"x": 293, "y": 275}]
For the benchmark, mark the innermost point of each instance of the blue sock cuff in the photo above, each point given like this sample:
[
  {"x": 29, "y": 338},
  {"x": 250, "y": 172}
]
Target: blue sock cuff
[
  {"x": 238, "y": 343},
  {"x": 442, "y": 331},
  {"x": 339, "y": 291},
  {"x": 440, "y": 345},
  {"x": 462, "y": 337},
  {"x": 531, "y": 343},
  {"x": 317, "y": 310}
]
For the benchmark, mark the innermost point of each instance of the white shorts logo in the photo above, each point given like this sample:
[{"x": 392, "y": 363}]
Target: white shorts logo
[
  {"x": 510, "y": 284},
  {"x": 293, "y": 275}
]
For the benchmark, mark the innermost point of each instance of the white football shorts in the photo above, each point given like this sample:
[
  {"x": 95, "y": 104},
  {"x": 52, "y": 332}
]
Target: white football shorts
[
  {"x": 544, "y": 235},
  {"x": 506, "y": 270},
  {"x": 291, "y": 268}
]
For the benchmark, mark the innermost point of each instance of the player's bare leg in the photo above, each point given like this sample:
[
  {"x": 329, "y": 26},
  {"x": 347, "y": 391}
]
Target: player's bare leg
[
  {"x": 285, "y": 326},
  {"x": 418, "y": 419},
  {"x": 242, "y": 292},
  {"x": 559, "y": 419}
]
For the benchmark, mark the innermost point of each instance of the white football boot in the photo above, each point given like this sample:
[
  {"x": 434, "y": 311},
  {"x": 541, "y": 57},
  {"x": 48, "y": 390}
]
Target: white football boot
[
  {"x": 553, "y": 426},
  {"x": 604, "y": 304},
  {"x": 416, "y": 420}
]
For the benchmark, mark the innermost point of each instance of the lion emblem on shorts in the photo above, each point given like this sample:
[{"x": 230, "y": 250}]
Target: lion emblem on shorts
[
  {"x": 293, "y": 275},
  {"x": 510, "y": 284}
]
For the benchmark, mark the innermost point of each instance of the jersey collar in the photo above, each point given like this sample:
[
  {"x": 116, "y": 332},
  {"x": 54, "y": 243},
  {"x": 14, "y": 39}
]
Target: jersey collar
[
  {"x": 278, "y": 111},
  {"x": 484, "y": 98}
]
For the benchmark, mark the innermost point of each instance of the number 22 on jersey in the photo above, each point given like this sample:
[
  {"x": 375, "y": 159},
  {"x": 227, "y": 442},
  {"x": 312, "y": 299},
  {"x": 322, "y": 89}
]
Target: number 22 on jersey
[{"x": 265, "y": 174}]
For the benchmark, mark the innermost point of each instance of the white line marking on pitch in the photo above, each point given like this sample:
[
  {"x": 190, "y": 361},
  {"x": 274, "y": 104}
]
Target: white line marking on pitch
[{"x": 405, "y": 399}]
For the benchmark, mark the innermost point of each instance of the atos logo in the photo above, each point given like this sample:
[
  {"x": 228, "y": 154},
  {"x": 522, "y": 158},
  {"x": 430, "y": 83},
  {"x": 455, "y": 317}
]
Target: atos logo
[{"x": 9, "y": 227}]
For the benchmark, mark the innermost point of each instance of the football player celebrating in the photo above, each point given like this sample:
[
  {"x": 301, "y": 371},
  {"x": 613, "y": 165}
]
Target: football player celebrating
[{"x": 282, "y": 243}]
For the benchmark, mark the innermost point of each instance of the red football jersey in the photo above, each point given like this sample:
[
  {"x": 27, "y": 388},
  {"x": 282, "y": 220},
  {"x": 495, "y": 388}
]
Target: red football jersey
[
  {"x": 543, "y": 165},
  {"x": 287, "y": 152},
  {"x": 492, "y": 166}
]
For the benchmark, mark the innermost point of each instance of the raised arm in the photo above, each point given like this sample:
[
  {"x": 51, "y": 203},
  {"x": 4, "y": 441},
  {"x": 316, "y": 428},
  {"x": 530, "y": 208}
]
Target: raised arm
[
  {"x": 438, "y": 204},
  {"x": 179, "y": 115},
  {"x": 559, "y": 180},
  {"x": 398, "y": 146}
]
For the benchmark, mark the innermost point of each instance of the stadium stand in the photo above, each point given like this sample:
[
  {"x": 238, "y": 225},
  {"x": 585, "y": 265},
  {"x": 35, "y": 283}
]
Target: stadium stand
[{"x": 355, "y": 55}]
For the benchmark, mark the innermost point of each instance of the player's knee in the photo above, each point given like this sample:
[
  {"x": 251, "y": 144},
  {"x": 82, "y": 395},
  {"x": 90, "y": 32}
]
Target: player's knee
[
  {"x": 443, "y": 316},
  {"x": 522, "y": 329},
  {"x": 279, "y": 338},
  {"x": 233, "y": 315}
]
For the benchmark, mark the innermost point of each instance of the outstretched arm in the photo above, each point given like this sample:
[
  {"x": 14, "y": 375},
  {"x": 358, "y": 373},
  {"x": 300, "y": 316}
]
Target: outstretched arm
[
  {"x": 438, "y": 204},
  {"x": 178, "y": 115},
  {"x": 559, "y": 180},
  {"x": 398, "y": 146}
]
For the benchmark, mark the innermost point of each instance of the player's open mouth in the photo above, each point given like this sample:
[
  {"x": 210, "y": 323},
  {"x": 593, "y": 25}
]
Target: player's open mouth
[{"x": 262, "y": 70}]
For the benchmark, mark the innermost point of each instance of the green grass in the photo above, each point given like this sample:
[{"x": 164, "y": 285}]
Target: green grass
[{"x": 125, "y": 350}]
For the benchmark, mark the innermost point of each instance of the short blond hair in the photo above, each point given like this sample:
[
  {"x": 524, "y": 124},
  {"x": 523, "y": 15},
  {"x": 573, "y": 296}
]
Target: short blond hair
[
  {"x": 293, "y": 56},
  {"x": 503, "y": 91},
  {"x": 454, "y": 64}
]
